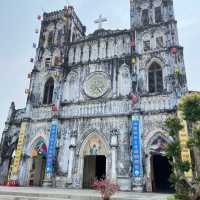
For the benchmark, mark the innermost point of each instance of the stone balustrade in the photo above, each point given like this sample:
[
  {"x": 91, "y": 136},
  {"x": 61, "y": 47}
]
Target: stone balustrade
[
  {"x": 157, "y": 103},
  {"x": 41, "y": 113},
  {"x": 106, "y": 108},
  {"x": 20, "y": 114},
  {"x": 95, "y": 109},
  {"x": 98, "y": 109}
]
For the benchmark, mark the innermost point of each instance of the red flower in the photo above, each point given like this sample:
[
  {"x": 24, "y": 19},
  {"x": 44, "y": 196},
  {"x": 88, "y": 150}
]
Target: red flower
[{"x": 106, "y": 187}]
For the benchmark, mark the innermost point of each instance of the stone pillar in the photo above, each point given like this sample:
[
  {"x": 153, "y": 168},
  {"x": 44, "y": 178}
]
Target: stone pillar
[
  {"x": 71, "y": 159},
  {"x": 148, "y": 173},
  {"x": 24, "y": 169},
  {"x": 114, "y": 145},
  {"x": 113, "y": 172},
  {"x": 72, "y": 148}
]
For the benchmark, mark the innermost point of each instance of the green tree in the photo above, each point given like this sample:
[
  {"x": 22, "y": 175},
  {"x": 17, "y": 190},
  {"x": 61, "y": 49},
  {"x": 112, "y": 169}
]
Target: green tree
[
  {"x": 190, "y": 107},
  {"x": 173, "y": 150},
  {"x": 184, "y": 190}
]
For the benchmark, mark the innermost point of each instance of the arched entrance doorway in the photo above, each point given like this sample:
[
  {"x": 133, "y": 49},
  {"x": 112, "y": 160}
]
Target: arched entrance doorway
[
  {"x": 94, "y": 169},
  {"x": 93, "y": 154},
  {"x": 161, "y": 170},
  {"x": 158, "y": 167},
  {"x": 39, "y": 152}
]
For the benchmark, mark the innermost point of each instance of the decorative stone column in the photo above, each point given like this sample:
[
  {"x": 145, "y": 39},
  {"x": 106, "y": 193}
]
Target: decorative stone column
[
  {"x": 72, "y": 148},
  {"x": 114, "y": 145},
  {"x": 148, "y": 173},
  {"x": 61, "y": 178}
]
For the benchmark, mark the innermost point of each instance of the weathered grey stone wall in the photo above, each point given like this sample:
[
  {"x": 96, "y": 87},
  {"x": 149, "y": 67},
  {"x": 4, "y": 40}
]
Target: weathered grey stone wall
[{"x": 73, "y": 59}]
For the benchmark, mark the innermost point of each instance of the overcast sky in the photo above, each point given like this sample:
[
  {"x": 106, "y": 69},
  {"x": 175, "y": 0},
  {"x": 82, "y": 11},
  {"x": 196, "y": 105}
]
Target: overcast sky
[{"x": 18, "y": 20}]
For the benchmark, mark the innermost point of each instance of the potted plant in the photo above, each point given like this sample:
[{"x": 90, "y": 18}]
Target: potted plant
[{"x": 106, "y": 188}]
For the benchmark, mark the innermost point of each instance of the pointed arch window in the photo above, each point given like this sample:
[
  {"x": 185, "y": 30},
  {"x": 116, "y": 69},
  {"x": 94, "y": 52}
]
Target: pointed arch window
[
  {"x": 50, "y": 38},
  {"x": 48, "y": 91},
  {"x": 158, "y": 15},
  {"x": 155, "y": 78},
  {"x": 145, "y": 17}
]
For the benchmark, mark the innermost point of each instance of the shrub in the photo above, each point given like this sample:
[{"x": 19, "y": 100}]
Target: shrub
[{"x": 106, "y": 188}]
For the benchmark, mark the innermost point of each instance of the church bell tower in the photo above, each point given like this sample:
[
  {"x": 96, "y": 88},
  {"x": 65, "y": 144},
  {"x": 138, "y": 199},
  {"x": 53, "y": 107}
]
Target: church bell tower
[
  {"x": 58, "y": 29},
  {"x": 160, "y": 72},
  {"x": 156, "y": 42}
]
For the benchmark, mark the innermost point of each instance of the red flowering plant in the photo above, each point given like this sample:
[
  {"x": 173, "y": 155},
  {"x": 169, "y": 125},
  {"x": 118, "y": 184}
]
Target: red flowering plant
[{"x": 106, "y": 188}]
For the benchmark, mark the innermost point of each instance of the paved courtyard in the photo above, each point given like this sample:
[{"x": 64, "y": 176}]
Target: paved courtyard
[{"x": 26, "y": 193}]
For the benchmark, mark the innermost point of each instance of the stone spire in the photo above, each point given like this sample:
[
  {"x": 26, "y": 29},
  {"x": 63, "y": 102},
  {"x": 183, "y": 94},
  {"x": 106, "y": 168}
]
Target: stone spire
[
  {"x": 132, "y": 10},
  {"x": 10, "y": 112}
]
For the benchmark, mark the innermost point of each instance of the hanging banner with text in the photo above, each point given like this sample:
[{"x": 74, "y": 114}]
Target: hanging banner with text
[
  {"x": 183, "y": 138},
  {"x": 51, "y": 148},
  {"x": 18, "y": 152},
  {"x": 136, "y": 151}
]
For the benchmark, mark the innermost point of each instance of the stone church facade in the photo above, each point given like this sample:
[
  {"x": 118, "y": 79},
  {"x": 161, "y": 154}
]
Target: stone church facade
[{"x": 84, "y": 92}]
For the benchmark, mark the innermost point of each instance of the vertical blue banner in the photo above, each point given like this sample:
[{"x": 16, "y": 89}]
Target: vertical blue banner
[
  {"x": 51, "y": 147},
  {"x": 136, "y": 152}
]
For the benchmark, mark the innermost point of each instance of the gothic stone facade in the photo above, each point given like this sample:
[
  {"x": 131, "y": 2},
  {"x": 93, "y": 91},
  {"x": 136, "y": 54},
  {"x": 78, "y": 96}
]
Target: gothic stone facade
[{"x": 92, "y": 85}]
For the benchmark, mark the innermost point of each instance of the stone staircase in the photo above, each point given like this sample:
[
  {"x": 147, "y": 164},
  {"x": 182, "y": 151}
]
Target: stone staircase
[{"x": 26, "y": 193}]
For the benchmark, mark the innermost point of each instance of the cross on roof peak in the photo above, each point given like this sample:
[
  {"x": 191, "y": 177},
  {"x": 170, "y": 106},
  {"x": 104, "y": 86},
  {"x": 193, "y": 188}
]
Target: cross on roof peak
[
  {"x": 67, "y": 3},
  {"x": 100, "y": 21}
]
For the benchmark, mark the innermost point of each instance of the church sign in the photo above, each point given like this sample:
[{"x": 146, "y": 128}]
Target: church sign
[
  {"x": 51, "y": 148},
  {"x": 18, "y": 154},
  {"x": 136, "y": 153}
]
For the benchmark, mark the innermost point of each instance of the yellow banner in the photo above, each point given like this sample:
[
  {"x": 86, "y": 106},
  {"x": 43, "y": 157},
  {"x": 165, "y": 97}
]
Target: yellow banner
[
  {"x": 183, "y": 138},
  {"x": 19, "y": 149}
]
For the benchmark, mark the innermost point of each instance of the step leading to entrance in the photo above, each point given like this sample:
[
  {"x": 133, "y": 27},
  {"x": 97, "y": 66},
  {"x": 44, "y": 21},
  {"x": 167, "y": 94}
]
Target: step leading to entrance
[{"x": 27, "y": 193}]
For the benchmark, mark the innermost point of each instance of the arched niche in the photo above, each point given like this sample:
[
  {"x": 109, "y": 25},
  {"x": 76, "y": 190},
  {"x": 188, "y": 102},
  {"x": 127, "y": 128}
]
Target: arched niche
[
  {"x": 37, "y": 149},
  {"x": 124, "y": 81},
  {"x": 154, "y": 146},
  {"x": 94, "y": 144},
  {"x": 57, "y": 58},
  {"x": 63, "y": 155},
  {"x": 157, "y": 143},
  {"x": 71, "y": 88}
]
